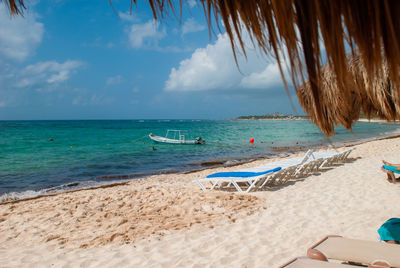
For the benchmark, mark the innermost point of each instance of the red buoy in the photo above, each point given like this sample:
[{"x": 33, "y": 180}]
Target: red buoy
[
  {"x": 251, "y": 140},
  {"x": 297, "y": 142}
]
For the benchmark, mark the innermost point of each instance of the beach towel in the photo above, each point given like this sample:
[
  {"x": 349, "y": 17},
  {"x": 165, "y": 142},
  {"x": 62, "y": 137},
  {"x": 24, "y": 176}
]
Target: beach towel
[
  {"x": 241, "y": 174},
  {"x": 391, "y": 168},
  {"x": 390, "y": 230}
]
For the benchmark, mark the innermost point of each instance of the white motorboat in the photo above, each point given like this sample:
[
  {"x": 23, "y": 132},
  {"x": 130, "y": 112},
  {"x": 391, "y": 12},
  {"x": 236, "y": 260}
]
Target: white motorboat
[{"x": 176, "y": 137}]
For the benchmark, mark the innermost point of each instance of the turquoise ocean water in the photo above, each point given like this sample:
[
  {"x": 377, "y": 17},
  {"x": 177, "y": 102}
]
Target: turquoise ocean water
[{"x": 86, "y": 153}]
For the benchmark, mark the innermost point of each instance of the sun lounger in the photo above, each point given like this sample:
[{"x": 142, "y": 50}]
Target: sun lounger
[
  {"x": 285, "y": 163},
  {"x": 278, "y": 178},
  {"x": 331, "y": 158},
  {"x": 287, "y": 168},
  {"x": 346, "y": 155},
  {"x": 308, "y": 168},
  {"x": 316, "y": 164},
  {"x": 391, "y": 168},
  {"x": 290, "y": 168},
  {"x": 303, "y": 262},
  {"x": 355, "y": 251},
  {"x": 248, "y": 178}
]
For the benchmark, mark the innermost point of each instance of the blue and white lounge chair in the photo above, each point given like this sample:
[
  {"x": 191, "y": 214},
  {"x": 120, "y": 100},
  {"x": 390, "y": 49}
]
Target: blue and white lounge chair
[
  {"x": 271, "y": 174},
  {"x": 249, "y": 178}
]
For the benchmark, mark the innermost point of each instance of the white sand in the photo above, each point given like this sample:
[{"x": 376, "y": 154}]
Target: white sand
[{"x": 166, "y": 221}]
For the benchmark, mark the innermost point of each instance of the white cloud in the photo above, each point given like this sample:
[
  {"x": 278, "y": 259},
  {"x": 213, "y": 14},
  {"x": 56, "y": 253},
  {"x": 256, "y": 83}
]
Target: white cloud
[
  {"x": 44, "y": 74},
  {"x": 214, "y": 68},
  {"x": 270, "y": 76},
  {"x": 98, "y": 42},
  {"x": 126, "y": 16},
  {"x": 191, "y": 3},
  {"x": 92, "y": 100},
  {"x": 114, "y": 80},
  {"x": 19, "y": 36},
  {"x": 145, "y": 35},
  {"x": 191, "y": 26},
  {"x": 77, "y": 100},
  {"x": 100, "y": 100}
]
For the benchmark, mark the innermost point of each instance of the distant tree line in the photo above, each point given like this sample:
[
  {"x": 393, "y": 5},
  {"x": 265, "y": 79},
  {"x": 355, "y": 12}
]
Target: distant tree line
[{"x": 273, "y": 116}]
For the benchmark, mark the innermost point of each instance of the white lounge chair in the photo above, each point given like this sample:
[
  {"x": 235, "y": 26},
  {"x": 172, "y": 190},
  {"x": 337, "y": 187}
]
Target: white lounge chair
[
  {"x": 308, "y": 168},
  {"x": 245, "y": 177},
  {"x": 280, "y": 172},
  {"x": 285, "y": 163},
  {"x": 331, "y": 158},
  {"x": 278, "y": 178},
  {"x": 303, "y": 165},
  {"x": 346, "y": 154}
]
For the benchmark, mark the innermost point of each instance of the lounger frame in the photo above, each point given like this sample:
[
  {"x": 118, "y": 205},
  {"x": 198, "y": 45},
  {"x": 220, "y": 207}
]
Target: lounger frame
[
  {"x": 379, "y": 249},
  {"x": 291, "y": 170}
]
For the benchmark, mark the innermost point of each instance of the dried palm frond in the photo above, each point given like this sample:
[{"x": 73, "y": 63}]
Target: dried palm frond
[
  {"x": 375, "y": 97},
  {"x": 16, "y": 7}
]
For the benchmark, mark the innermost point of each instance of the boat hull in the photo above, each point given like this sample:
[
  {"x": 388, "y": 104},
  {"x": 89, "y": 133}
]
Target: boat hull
[{"x": 159, "y": 139}]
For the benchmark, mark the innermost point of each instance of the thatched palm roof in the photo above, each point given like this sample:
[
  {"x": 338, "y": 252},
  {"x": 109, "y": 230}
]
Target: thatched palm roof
[
  {"x": 297, "y": 28},
  {"x": 375, "y": 97}
]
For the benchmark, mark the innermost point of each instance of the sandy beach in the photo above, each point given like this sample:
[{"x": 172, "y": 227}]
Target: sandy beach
[{"x": 167, "y": 221}]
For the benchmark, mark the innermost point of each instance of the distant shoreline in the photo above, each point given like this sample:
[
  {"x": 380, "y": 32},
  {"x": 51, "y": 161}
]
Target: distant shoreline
[
  {"x": 294, "y": 118},
  {"x": 305, "y": 118},
  {"x": 274, "y": 116}
]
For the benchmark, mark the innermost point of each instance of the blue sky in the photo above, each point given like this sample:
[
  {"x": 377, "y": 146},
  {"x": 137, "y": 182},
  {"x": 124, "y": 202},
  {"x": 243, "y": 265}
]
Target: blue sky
[{"x": 84, "y": 60}]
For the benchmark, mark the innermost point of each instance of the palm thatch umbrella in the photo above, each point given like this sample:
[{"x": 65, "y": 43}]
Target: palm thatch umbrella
[
  {"x": 378, "y": 97},
  {"x": 372, "y": 97},
  {"x": 311, "y": 33}
]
